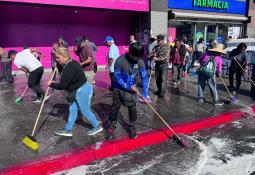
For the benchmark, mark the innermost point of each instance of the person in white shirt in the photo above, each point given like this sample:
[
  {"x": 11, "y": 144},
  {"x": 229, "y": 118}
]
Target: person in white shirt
[{"x": 26, "y": 61}]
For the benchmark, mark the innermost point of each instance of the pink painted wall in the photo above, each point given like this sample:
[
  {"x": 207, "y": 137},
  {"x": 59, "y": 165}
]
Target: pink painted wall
[
  {"x": 101, "y": 54},
  {"x": 134, "y": 5},
  {"x": 40, "y": 26}
]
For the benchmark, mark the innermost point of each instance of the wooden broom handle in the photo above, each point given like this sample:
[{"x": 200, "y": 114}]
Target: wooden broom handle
[
  {"x": 161, "y": 118},
  {"x": 225, "y": 85},
  {"x": 24, "y": 92},
  {"x": 43, "y": 102}
]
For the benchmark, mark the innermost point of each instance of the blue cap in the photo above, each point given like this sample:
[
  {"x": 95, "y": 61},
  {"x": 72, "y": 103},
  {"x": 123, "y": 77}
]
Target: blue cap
[{"x": 108, "y": 38}]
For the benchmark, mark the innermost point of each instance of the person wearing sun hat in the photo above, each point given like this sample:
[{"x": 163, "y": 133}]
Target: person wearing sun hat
[{"x": 214, "y": 54}]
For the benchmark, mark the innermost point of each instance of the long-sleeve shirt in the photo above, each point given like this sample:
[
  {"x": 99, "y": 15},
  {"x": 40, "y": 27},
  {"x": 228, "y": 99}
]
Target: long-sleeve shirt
[
  {"x": 242, "y": 58},
  {"x": 218, "y": 60},
  {"x": 72, "y": 77},
  {"x": 162, "y": 53},
  {"x": 125, "y": 74}
]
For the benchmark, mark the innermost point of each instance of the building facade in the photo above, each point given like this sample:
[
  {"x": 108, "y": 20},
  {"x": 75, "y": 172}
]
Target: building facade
[
  {"x": 251, "y": 25},
  {"x": 210, "y": 19},
  {"x": 39, "y": 23}
]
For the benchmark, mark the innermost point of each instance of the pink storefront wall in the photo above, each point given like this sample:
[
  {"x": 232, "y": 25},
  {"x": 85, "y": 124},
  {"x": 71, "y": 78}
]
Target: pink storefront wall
[
  {"x": 134, "y": 5},
  {"x": 46, "y": 61}
]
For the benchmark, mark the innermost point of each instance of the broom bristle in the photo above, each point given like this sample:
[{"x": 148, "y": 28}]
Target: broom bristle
[
  {"x": 233, "y": 99},
  {"x": 30, "y": 142},
  {"x": 18, "y": 100}
]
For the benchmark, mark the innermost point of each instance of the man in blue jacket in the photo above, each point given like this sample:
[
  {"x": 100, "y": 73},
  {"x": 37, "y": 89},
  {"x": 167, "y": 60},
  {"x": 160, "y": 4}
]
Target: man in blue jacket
[{"x": 126, "y": 68}]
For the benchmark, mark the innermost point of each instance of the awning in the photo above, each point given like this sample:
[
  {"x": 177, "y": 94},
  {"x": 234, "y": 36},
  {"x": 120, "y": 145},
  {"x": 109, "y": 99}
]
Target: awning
[{"x": 208, "y": 17}]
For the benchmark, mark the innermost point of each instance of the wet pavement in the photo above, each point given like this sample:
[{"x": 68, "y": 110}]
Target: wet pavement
[
  {"x": 178, "y": 106},
  {"x": 225, "y": 150}
]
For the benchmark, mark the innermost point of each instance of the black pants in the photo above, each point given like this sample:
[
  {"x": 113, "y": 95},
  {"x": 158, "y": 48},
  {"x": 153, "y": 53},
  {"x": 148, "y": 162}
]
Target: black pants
[
  {"x": 112, "y": 80},
  {"x": 161, "y": 73},
  {"x": 34, "y": 80},
  {"x": 118, "y": 100},
  {"x": 238, "y": 72}
]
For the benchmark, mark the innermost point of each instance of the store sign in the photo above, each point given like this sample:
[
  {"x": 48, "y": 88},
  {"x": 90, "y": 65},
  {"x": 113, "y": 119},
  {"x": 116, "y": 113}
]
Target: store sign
[
  {"x": 210, "y": 4},
  {"x": 133, "y": 5},
  {"x": 221, "y": 6}
]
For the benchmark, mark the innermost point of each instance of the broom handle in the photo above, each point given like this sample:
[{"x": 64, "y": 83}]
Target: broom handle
[
  {"x": 161, "y": 118},
  {"x": 43, "y": 102},
  {"x": 245, "y": 72},
  {"x": 225, "y": 85},
  {"x": 24, "y": 92}
]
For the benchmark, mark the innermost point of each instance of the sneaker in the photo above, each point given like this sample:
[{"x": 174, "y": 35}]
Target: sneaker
[
  {"x": 132, "y": 134},
  {"x": 218, "y": 103},
  {"x": 175, "y": 85},
  {"x": 64, "y": 132},
  {"x": 94, "y": 131},
  {"x": 200, "y": 100},
  {"x": 36, "y": 100},
  {"x": 109, "y": 133}
]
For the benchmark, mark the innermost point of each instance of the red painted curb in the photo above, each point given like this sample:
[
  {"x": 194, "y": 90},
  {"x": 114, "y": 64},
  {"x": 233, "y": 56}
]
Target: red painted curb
[{"x": 82, "y": 156}]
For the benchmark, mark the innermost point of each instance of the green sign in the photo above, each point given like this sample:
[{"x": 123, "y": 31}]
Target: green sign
[{"x": 222, "y": 5}]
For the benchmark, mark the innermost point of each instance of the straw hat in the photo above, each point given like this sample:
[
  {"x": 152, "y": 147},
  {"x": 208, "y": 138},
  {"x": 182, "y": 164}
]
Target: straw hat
[{"x": 218, "y": 48}]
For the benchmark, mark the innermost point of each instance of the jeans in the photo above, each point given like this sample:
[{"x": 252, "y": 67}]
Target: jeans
[
  {"x": 176, "y": 72},
  {"x": 202, "y": 80},
  {"x": 239, "y": 73},
  {"x": 82, "y": 100},
  {"x": 34, "y": 80},
  {"x": 118, "y": 100},
  {"x": 161, "y": 74},
  {"x": 7, "y": 71}
]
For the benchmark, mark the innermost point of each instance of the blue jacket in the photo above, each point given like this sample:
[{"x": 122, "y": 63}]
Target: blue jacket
[{"x": 125, "y": 74}]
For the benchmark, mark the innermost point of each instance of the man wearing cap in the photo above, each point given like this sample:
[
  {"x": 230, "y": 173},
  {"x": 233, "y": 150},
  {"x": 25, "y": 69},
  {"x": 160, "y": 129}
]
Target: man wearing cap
[
  {"x": 127, "y": 67},
  {"x": 160, "y": 54},
  {"x": 203, "y": 79},
  {"x": 112, "y": 55}
]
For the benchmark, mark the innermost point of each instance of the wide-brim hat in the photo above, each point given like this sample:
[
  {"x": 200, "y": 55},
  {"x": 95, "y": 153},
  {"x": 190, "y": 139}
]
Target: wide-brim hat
[{"x": 219, "y": 48}]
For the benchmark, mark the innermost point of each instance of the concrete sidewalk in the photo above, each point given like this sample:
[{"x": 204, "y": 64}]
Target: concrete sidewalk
[{"x": 179, "y": 108}]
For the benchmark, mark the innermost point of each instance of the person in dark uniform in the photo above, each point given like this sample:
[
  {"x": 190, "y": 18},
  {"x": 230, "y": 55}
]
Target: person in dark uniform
[{"x": 126, "y": 68}]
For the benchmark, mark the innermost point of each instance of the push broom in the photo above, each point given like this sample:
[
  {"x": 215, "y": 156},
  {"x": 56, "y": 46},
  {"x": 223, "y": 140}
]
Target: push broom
[
  {"x": 245, "y": 72},
  {"x": 19, "y": 99},
  {"x": 232, "y": 98},
  {"x": 29, "y": 140},
  {"x": 176, "y": 137}
]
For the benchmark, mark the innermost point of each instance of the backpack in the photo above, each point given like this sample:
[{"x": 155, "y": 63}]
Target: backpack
[
  {"x": 183, "y": 50},
  {"x": 209, "y": 68}
]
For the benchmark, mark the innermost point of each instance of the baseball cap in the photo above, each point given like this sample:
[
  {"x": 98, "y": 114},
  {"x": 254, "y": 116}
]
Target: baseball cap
[{"x": 108, "y": 38}]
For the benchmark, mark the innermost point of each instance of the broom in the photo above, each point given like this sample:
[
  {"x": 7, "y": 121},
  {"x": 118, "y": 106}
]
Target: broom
[
  {"x": 176, "y": 137},
  {"x": 232, "y": 98},
  {"x": 19, "y": 99},
  {"x": 29, "y": 140},
  {"x": 245, "y": 72}
]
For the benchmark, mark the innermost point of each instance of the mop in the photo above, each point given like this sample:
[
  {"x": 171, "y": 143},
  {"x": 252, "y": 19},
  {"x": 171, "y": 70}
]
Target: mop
[
  {"x": 29, "y": 140},
  {"x": 19, "y": 99},
  {"x": 180, "y": 141},
  {"x": 232, "y": 98}
]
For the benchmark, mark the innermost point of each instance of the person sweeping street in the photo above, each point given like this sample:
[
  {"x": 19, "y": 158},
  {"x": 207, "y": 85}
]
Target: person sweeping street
[
  {"x": 79, "y": 91},
  {"x": 126, "y": 68},
  {"x": 241, "y": 56},
  {"x": 26, "y": 61},
  {"x": 211, "y": 65}
]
